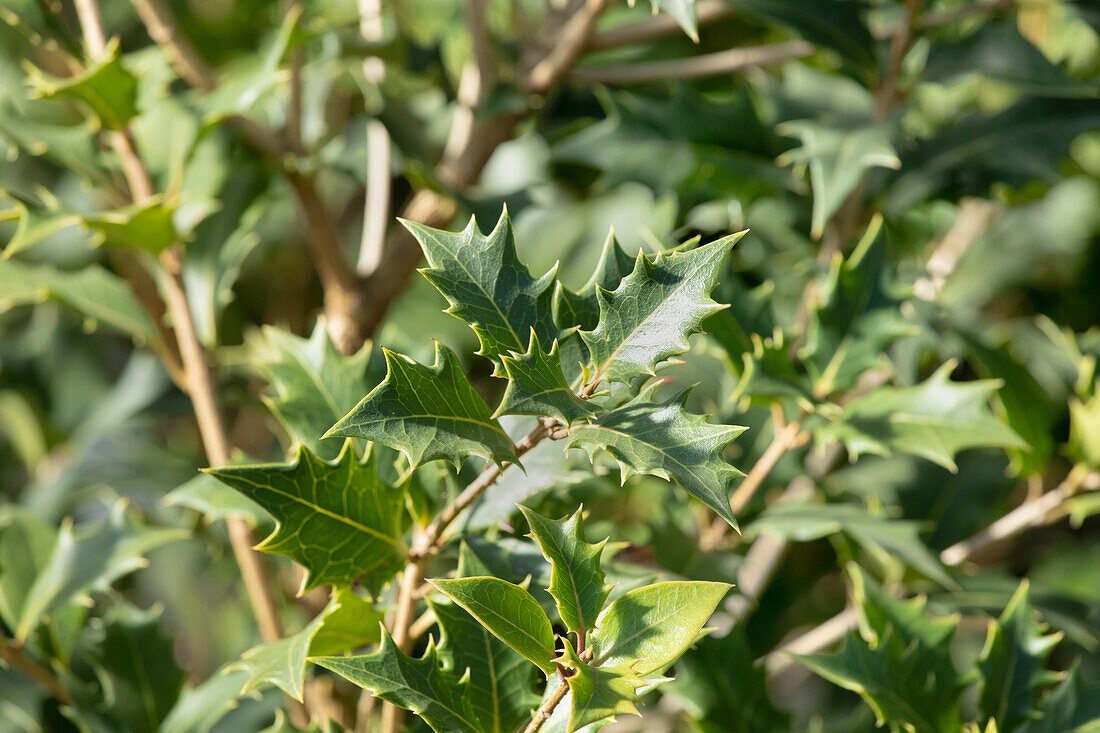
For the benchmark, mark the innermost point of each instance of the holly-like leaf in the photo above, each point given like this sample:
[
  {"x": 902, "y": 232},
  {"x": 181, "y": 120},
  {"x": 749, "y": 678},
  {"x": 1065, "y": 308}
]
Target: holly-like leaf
[
  {"x": 501, "y": 682},
  {"x": 837, "y": 159},
  {"x": 682, "y": 11},
  {"x": 488, "y": 287},
  {"x": 134, "y": 661},
  {"x": 216, "y": 501},
  {"x": 351, "y": 623},
  {"x": 144, "y": 227},
  {"x": 89, "y": 560},
  {"x": 666, "y": 440},
  {"x": 509, "y": 612},
  {"x": 91, "y": 290},
  {"x": 421, "y": 685},
  {"x": 654, "y": 309},
  {"x": 1074, "y": 705},
  {"x": 899, "y": 663},
  {"x": 582, "y": 308},
  {"x": 598, "y": 693},
  {"x": 882, "y": 536},
  {"x": 934, "y": 419},
  {"x": 106, "y": 87},
  {"x": 648, "y": 628},
  {"x": 339, "y": 520},
  {"x": 1013, "y": 664},
  {"x": 427, "y": 413},
  {"x": 314, "y": 384},
  {"x": 537, "y": 386},
  {"x": 282, "y": 662},
  {"x": 34, "y": 223},
  {"x": 576, "y": 578}
]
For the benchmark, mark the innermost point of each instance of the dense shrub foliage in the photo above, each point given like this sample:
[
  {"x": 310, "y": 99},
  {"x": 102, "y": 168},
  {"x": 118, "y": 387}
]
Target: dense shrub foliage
[{"x": 497, "y": 366}]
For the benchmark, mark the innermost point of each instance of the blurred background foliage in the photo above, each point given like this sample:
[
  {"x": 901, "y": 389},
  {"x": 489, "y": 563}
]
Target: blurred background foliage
[{"x": 969, "y": 131}]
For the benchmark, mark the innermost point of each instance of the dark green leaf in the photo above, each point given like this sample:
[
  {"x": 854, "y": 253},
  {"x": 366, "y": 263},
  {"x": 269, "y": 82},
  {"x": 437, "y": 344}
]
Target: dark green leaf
[
  {"x": 537, "y": 386},
  {"x": 582, "y": 308},
  {"x": 106, "y": 87},
  {"x": 339, "y": 520},
  {"x": 1074, "y": 705},
  {"x": 427, "y": 413},
  {"x": 599, "y": 693}
]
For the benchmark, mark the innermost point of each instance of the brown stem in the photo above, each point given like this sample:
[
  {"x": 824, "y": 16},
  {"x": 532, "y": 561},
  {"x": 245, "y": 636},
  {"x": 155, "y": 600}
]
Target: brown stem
[
  {"x": 886, "y": 96},
  {"x": 12, "y": 654},
  {"x": 693, "y": 67},
  {"x": 706, "y": 11},
  {"x": 293, "y": 131},
  {"x": 785, "y": 438},
  {"x": 547, "y": 708},
  {"x": 162, "y": 28}
]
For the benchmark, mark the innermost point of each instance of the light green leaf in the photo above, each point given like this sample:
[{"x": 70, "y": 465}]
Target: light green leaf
[
  {"x": 582, "y": 308},
  {"x": 216, "y": 501},
  {"x": 599, "y": 693},
  {"x": 339, "y": 520},
  {"x": 349, "y": 624},
  {"x": 682, "y": 11},
  {"x": 1013, "y": 664},
  {"x": 26, "y": 543},
  {"x": 1074, "y": 706},
  {"x": 144, "y": 227},
  {"x": 649, "y": 316},
  {"x": 666, "y": 440},
  {"x": 501, "y": 682},
  {"x": 488, "y": 287},
  {"x": 649, "y": 628},
  {"x": 537, "y": 386},
  {"x": 93, "y": 291},
  {"x": 108, "y": 89},
  {"x": 427, "y": 413},
  {"x": 509, "y": 612},
  {"x": 200, "y": 708},
  {"x": 576, "y": 579},
  {"x": 89, "y": 561},
  {"x": 885, "y": 537},
  {"x": 421, "y": 685},
  {"x": 282, "y": 662},
  {"x": 934, "y": 419},
  {"x": 837, "y": 159},
  {"x": 134, "y": 660},
  {"x": 1084, "y": 431},
  {"x": 34, "y": 224}
]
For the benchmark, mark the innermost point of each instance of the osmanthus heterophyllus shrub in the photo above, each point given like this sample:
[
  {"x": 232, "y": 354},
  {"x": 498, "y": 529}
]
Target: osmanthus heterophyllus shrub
[{"x": 583, "y": 365}]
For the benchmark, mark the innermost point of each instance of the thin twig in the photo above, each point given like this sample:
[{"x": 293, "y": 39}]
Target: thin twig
[
  {"x": 12, "y": 655},
  {"x": 547, "y": 708},
  {"x": 376, "y": 207},
  {"x": 785, "y": 438},
  {"x": 973, "y": 218},
  {"x": 163, "y": 29},
  {"x": 886, "y": 95},
  {"x": 694, "y": 67}
]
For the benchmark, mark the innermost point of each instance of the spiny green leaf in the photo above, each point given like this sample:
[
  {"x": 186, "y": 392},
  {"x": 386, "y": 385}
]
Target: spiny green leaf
[
  {"x": 314, "y": 384},
  {"x": 576, "y": 579},
  {"x": 537, "y": 386},
  {"x": 648, "y": 628},
  {"x": 837, "y": 159},
  {"x": 649, "y": 316},
  {"x": 501, "y": 682},
  {"x": 885, "y": 537},
  {"x": 427, "y": 413},
  {"x": 934, "y": 419},
  {"x": 509, "y": 612},
  {"x": 1074, "y": 705},
  {"x": 282, "y": 662},
  {"x": 1084, "y": 431},
  {"x": 666, "y": 440},
  {"x": 216, "y": 501},
  {"x": 26, "y": 542},
  {"x": 134, "y": 659},
  {"x": 598, "y": 693},
  {"x": 1013, "y": 664},
  {"x": 420, "y": 685},
  {"x": 144, "y": 227},
  {"x": 899, "y": 663},
  {"x": 108, "y": 89},
  {"x": 89, "y": 561},
  {"x": 582, "y": 308},
  {"x": 95, "y": 292},
  {"x": 34, "y": 223},
  {"x": 351, "y": 623},
  {"x": 488, "y": 287},
  {"x": 339, "y": 520},
  {"x": 682, "y": 11}
]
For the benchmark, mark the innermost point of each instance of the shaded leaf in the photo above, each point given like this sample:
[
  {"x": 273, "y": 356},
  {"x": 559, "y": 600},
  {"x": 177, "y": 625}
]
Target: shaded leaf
[
  {"x": 106, "y": 87},
  {"x": 509, "y": 612},
  {"x": 144, "y": 227},
  {"x": 282, "y": 662},
  {"x": 427, "y": 413},
  {"x": 599, "y": 693},
  {"x": 582, "y": 308},
  {"x": 666, "y": 440},
  {"x": 934, "y": 419},
  {"x": 537, "y": 386},
  {"x": 339, "y": 520},
  {"x": 1074, "y": 705},
  {"x": 216, "y": 501}
]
